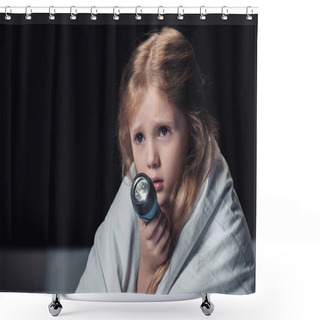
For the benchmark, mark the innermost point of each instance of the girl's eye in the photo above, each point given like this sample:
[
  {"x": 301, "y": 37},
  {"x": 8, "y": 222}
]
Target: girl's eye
[
  {"x": 139, "y": 138},
  {"x": 164, "y": 131}
]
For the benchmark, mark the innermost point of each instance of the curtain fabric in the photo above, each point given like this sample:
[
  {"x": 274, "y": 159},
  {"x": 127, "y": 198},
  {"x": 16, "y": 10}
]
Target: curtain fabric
[{"x": 59, "y": 156}]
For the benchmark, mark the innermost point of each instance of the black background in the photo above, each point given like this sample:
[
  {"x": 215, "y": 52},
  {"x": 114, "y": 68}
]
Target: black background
[{"x": 59, "y": 160}]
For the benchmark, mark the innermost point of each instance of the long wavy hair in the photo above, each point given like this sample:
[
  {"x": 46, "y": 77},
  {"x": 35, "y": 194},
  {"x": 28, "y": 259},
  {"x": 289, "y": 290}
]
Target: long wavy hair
[{"x": 166, "y": 61}]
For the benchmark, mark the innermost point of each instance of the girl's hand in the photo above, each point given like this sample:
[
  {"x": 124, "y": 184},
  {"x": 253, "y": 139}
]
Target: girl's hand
[{"x": 154, "y": 247}]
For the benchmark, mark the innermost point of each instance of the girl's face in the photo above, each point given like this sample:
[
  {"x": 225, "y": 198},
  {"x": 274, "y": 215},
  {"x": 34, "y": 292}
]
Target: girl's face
[{"x": 159, "y": 140}]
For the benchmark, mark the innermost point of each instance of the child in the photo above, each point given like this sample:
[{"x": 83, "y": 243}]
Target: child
[{"x": 200, "y": 242}]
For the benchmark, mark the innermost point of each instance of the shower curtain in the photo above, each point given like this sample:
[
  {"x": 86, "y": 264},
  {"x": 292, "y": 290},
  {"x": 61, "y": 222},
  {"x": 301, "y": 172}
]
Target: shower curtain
[{"x": 66, "y": 219}]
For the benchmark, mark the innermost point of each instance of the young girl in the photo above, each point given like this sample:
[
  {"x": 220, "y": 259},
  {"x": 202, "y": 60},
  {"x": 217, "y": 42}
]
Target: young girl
[{"x": 200, "y": 241}]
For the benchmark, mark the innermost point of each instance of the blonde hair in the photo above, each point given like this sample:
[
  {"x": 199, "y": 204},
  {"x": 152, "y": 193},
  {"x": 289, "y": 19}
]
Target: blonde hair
[{"x": 166, "y": 61}]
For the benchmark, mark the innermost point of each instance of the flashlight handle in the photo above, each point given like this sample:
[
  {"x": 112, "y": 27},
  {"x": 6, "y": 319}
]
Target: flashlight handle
[{"x": 151, "y": 214}]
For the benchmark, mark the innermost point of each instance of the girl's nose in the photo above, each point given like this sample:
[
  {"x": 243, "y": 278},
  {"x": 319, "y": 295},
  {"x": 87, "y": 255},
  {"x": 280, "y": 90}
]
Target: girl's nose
[{"x": 153, "y": 160}]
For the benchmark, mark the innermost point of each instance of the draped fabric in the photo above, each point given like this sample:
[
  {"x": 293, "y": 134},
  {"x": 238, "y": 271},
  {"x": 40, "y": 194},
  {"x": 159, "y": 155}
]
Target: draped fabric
[
  {"x": 214, "y": 252},
  {"x": 59, "y": 158}
]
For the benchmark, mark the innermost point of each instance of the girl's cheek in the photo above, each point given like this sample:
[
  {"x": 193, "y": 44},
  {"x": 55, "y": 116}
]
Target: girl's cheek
[
  {"x": 135, "y": 158},
  {"x": 139, "y": 159}
]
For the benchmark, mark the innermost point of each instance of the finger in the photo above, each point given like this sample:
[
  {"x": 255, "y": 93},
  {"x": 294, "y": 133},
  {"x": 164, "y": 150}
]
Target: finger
[
  {"x": 148, "y": 230},
  {"x": 165, "y": 237},
  {"x": 141, "y": 225},
  {"x": 166, "y": 247},
  {"x": 157, "y": 233}
]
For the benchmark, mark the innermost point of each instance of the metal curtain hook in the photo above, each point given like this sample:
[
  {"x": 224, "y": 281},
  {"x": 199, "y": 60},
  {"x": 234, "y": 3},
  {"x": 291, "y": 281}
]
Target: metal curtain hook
[
  {"x": 203, "y": 13},
  {"x": 160, "y": 15},
  {"x": 249, "y": 16},
  {"x": 93, "y": 15},
  {"x": 52, "y": 12},
  {"x": 180, "y": 13},
  {"x": 224, "y": 13},
  {"x": 28, "y": 13},
  {"x": 7, "y": 10},
  {"x": 138, "y": 16},
  {"x": 73, "y": 13},
  {"x": 116, "y": 14}
]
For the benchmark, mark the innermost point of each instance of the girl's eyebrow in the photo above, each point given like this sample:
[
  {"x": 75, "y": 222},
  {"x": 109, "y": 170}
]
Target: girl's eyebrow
[
  {"x": 167, "y": 122},
  {"x": 136, "y": 129},
  {"x": 156, "y": 123}
]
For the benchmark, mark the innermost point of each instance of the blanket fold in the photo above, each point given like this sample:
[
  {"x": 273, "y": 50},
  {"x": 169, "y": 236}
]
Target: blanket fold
[{"x": 214, "y": 253}]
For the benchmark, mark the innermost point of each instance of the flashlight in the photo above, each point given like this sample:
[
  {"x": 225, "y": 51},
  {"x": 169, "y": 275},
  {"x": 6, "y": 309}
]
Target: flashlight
[{"x": 144, "y": 198}]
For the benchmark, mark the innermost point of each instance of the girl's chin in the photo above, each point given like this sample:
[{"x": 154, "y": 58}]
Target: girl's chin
[{"x": 163, "y": 205}]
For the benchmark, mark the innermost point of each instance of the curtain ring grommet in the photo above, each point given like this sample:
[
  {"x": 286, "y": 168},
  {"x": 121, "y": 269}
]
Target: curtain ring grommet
[
  {"x": 28, "y": 13},
  {"x": 73, "y": 13},
  {"x": 52, "y": 12},
  {"x": 160, "y": 14},
  {"x": 180, "y": 13},
  {"x": 249, "y": 15},
  {"x": 138, "y": 15},
  {"x": 7, "y": 12},
  {"x": 93, "y": 15},
  {"x": 224, "y": 13},
  {"x": 116, "y": 14},
  {"x": 203, "y": 13}
]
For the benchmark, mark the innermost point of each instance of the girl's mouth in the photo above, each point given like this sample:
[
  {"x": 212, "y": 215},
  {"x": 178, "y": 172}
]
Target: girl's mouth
[{"x": 158, "y": 184}]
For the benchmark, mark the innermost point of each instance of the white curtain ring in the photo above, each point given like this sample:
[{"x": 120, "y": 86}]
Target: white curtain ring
[
  {"x": 116, "y": 14},
  {"x": 138, "y": 15},
  {"x": 7, "y": 12},
  {"x": 28, "y": 13},
  {"x": 249, "y": 15},
  {"x": 160, "y": 15},
  {"x": 73, "y": 13},
  {"x": 93, "y": 15},
  {"x": 224, "y": 13},
  {"x": 180, "y": 13},
  {"x": 203, "y": 13},
  {"x": 52, "y": 12}
]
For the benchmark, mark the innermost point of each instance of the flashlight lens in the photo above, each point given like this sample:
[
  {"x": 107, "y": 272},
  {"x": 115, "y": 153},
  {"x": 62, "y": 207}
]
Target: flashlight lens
[{"x": 141, "y": 191}]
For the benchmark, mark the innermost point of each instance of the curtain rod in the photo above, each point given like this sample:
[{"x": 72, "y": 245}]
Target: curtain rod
[{"x": 129, "y": 10}]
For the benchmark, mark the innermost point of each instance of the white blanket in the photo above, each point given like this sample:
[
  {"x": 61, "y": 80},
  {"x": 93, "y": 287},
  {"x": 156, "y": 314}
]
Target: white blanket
[{"x": 214, "y": 253}]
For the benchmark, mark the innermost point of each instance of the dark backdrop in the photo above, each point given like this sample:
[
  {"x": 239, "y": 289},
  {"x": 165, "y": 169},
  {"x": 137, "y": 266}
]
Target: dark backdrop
[{"x": 59, "y": 160}]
